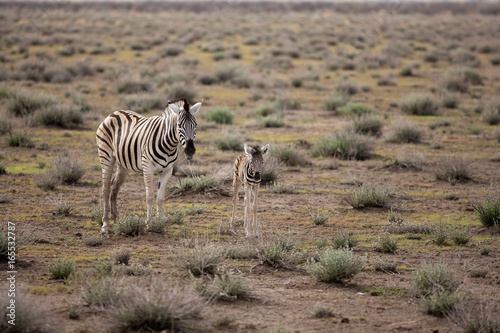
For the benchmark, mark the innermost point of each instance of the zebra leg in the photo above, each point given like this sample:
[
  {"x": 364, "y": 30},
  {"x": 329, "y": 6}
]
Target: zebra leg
[
  {"x": 107, "y": 171},
  {"x": 255, "y": 190},
  {"x": 148, "y": 182},
  {"x": 236, "y": 187},
  {"x": 162, "y": 186},
  {"x": 117, "y": 182},
  {"x": 248, "y": 203}
]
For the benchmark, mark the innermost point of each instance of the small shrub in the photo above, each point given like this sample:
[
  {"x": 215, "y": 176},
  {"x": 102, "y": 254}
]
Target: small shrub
[
  {"x": 130, "y": 226},
  {"x": 276, "y": 250},
  {"x": 102, "y": 293},
  {"x": 409, "y": 159},
  {"x": 61, "y": 269},
  {"x": 491, "y": 113},
  {"x": 453, "y": 169},
  {"x": 369, "y": 196},
  {"x": 450, "y": 101},
  {"x": 156, "y": 308},
  {"x": 439, "y": 304},
  {"x": 478, "y": 273},
  {"x": 5, "y": 126},
  {"x": 405, "y": 132},
  {"x": 176, "y": 216},
  {"x": 265, "y": 110},
  {"x": 367, "y": 125},
  {"x": 143, "y": 102},
  {"x": 22, "y": 103},
  {"x": 345, "y": 145},
  {"x": 30, "y": 315},
  {"x": 180, "y": 90},
  {"x": 223, "y": 286},
  {"x": 485, "y": 251},
  {"x": 133, "y": 86},
  {"x": 64, "y": 116},
  {"x": 461, "y": 237},
  {"x": 19, "y": 139},
  {"x": 170, "y": 50},
  {"x": 345, "y": 239},
  {"x": 68, "y": 168},
  {"x": 386, "y": 244},
  {"x": 348, "y": 88},
  {"x": 104, "y": 267},
  {"x": 488, "y": 211},
  {"x": 420, "y": 105},
  {"x": 280, "y": 188},
  {"x": 440, "y": 234},
  {"x": 335, "y": 101},
  {"x": 229, "y": 141},
  {"x": 476, "y": 317},
  {"x": 271, "y": 170},
  {"x": 354, "y": 109},
  {"x": 202, "y": 258},
  {"x": 63, "y": 209},
  {"x": 319, "y": 217},
  {"x": 433, "y": 279},
  {"x": 385, "y": 266},
  {"x": 245, "y": 251},
  {"x": 288, "y": 155},
  {"x": 157, "y": 225},
  {"x": 456, "y": 82},
  {"x": 47, "y": 181},
  {"x": 197, "y": 184},
  {"x": 3, "y": 171},
  {"x": 207, "y": 79},
  {"x": 93, "y": 240},
  {"x": 406, "y": 71},
  {"x": 273, "y": 121},
  {"x": 122, "y": 256},
  {"x": 335, "y": 265},
  {"x": 219, "y": 116}
]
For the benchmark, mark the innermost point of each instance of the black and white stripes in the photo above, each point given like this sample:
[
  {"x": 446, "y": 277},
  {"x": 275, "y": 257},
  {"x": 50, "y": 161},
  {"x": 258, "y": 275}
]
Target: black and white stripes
[
  {"x": 247, "y": 172},
  {"x": 147, "y": 145}
]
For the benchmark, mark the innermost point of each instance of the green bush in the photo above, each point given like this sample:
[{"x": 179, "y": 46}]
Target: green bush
[
  {"x": 62, "y": 269},
  {"x": 202, "y": 258},
  {"x": 276, "y": 251},
  {"x": 345, "y": 145},
  {"x": 265, "y": 110},
  {"x": 319, "y": 218},
  {"x": 68, "y": 168},
  {"x": 405, "y": 132},
  {"x": 288, "y": 155},
  {"x": 219, "y": 116},
  {"x": 367, "y": 125},
  {"x": 273, "y": 121},
  {"x": 386, "y": 244},
  {"x": 22, "y": 103},
  {"x": 130, "y": 226},
  {"x": 440, "y": 304},
  {"x": 453, "y": 169},
  {"x": 335, "y": 101},
  {"x": 348, "y": 88},
  {"x": 491, "y": 113},
  {"x": 122, "y": 256},
  {"x": 345, "y": 239},
  {"x": 354, "y": 109},
  {"x": 19, "y": 139},
  {"x": 157, "y": 225},
  {"x": 433, "y": 279},
  {"x": 223, "y": 286},
  {"x": 369, "y": 196},
  {"x": 488, "y": 211},
  {"x": 420, "y": 105},
  {"x": 229, "y": 142},
  {"x": 64, "y": 116},
  {"x": 156, "y": 308},
  {"x": 335, "y": 265}
]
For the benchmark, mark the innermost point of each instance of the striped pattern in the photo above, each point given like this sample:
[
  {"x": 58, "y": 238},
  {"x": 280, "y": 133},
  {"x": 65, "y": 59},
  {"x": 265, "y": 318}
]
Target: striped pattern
[
  {"x": 247, "y": 172},
  {"x": 147, "y": 145}
]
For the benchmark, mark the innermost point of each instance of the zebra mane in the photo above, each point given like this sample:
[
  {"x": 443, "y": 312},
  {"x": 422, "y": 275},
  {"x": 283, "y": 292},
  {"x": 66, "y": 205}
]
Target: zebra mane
[{"x": 181, "y": 103}]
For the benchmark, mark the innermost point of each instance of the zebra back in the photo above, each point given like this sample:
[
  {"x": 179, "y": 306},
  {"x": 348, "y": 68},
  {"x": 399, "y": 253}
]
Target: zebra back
[{"x": 135, "y": 140}]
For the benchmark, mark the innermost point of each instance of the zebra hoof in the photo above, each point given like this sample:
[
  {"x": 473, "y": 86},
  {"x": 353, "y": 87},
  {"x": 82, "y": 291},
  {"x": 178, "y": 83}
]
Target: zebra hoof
[{"x": 105, "y": 231}]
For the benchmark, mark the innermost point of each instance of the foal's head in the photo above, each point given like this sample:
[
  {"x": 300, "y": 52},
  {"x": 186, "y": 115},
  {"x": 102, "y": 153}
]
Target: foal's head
[{"x": 257, "y": 153}]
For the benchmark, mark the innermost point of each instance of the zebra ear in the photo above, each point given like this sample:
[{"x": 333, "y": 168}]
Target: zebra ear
[
  {"x": 195, "y": 107},
  {"x": 265, "y": 149},
  {"x": 174, "y": 108},
  {"x": 248, "y": 150}
]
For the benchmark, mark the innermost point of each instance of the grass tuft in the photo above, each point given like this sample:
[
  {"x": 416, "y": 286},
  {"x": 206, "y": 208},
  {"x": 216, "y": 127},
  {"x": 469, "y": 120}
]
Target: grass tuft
[
  {"x": 130, "y": 226},
  {"x": 345, "y": 145},
  {"x": 62, "y": 269},
  {"x": 488, "y": 211},
  {"x": 420, "y": 105},
  {"x": 368, "y": 196},
  {"x": 219, "y": 116},
  {"x": 335, "y": 265}
]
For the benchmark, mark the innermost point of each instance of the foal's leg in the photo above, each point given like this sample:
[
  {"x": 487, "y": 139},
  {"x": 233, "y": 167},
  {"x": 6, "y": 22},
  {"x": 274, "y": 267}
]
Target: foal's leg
[{"x": 236, "y": 186}]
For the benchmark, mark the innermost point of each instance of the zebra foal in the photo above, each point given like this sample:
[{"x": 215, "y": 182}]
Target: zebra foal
[
  {"x": 247, "y": 172},
  {"x": 147, "y": 145}
]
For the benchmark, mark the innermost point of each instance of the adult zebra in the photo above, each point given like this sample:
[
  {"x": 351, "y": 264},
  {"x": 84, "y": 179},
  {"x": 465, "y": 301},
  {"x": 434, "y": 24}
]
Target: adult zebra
[{"x": 147, "y": 145}]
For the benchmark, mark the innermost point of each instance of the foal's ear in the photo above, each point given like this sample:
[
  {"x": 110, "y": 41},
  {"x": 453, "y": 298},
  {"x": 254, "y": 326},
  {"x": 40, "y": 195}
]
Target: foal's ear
[
  {"x": 265, "y": 149},
  {"x": 195, "y": 107},
  {"x": 247, "y": 149}
]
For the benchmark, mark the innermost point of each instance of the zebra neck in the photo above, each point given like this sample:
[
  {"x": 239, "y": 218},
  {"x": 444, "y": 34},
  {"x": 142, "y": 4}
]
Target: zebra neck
[{"x": 171, "y": 137}]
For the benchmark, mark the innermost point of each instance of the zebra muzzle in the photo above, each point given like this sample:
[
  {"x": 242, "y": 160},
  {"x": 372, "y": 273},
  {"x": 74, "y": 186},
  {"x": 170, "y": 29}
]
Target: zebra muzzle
[{"x": 190, "y": 150}]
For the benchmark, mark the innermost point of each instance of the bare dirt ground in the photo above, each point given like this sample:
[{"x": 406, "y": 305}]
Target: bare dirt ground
[{"x": 285, "y": 299}]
